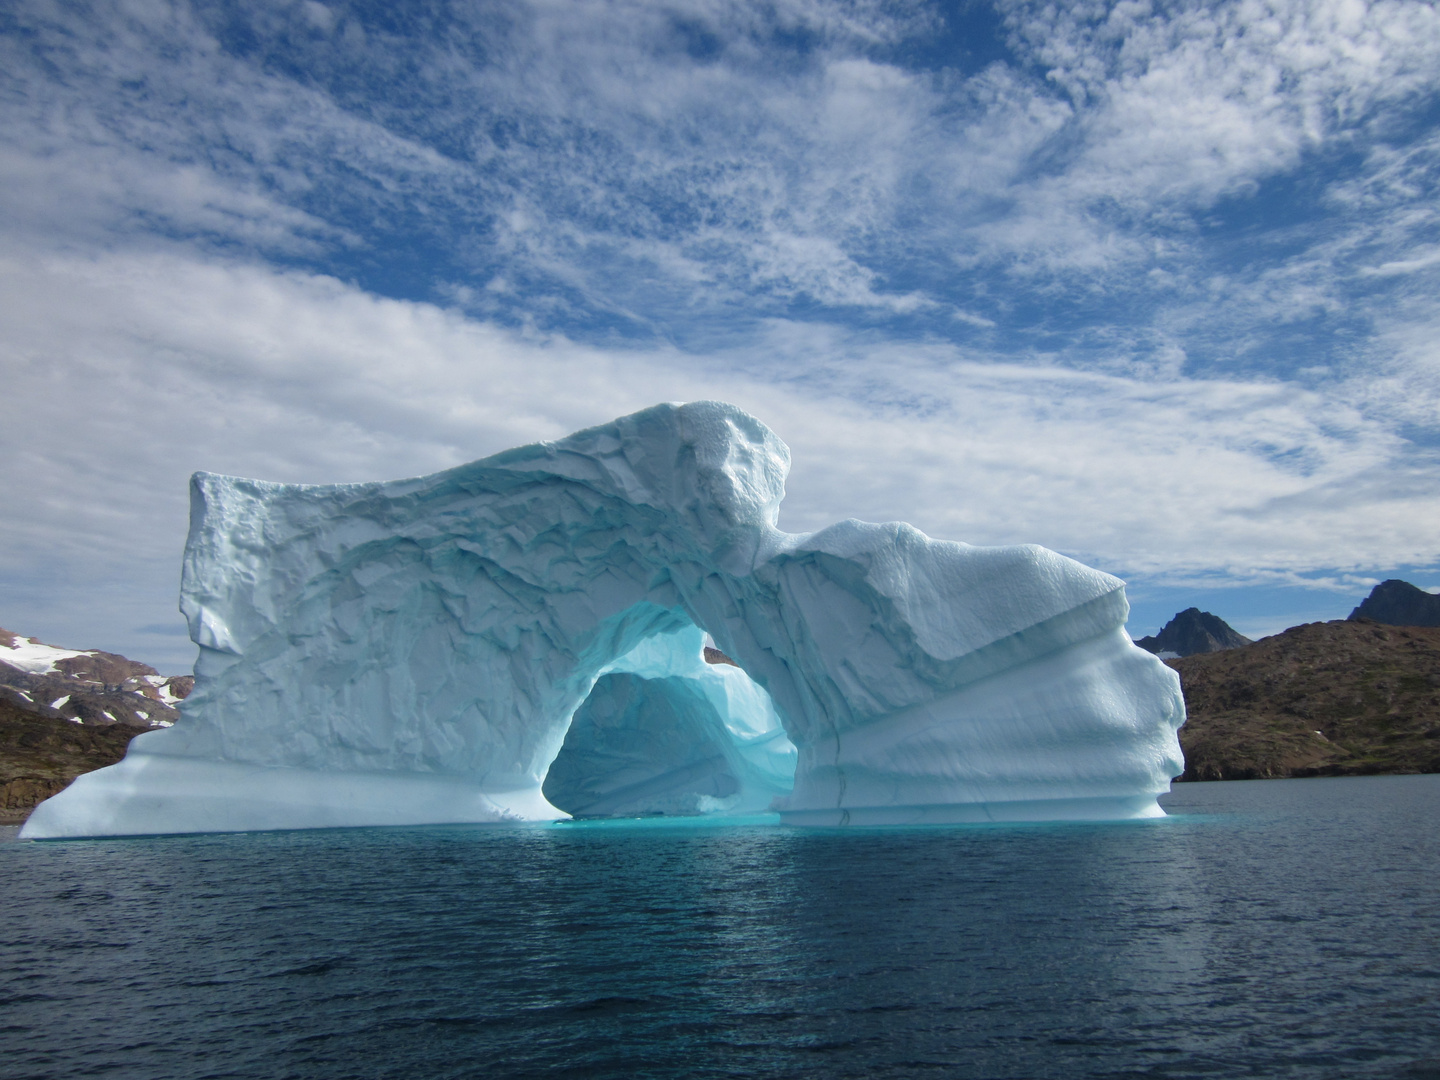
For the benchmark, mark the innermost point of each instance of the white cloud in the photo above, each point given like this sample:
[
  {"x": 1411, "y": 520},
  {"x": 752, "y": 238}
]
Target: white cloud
[
  {"x": 579, "y": 165},
  {"x": 1420, "y": 260},
  {"x": 1180, "y": 106},
  {"x": 582, "y": 143}
]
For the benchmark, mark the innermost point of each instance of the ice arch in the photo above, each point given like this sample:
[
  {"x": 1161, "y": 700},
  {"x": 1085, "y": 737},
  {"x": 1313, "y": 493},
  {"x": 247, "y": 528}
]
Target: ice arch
[{"x": 413, "y": 651}]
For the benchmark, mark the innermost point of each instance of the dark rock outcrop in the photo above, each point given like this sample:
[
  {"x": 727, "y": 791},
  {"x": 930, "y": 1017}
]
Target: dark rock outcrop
[
  {"x": 1398, "y": 603},
  {"x": 1193, "y": 631},
  {"x": 61, "y": 697},
  {"x": 1342, "y": 698},
  {"x": 40, "y": 755}
]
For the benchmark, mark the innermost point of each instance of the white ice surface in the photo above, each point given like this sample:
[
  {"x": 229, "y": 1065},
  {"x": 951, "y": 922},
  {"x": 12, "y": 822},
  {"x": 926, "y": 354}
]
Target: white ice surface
[
  {"x": 415, "y": 651},
  {"x": 147, "y": 794}
]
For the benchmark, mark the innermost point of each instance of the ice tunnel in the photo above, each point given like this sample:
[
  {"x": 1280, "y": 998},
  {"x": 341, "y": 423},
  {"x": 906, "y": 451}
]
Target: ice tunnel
[
  {"x": 642, "y": 746},
  {"x": 420, "y": 651},
  {"x": 663, "y": 735}
]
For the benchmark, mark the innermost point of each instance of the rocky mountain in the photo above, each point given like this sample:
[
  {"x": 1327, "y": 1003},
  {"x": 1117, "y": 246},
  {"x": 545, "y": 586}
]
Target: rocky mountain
[
  {"x": 1193, "y": 631},
  {"x": 1398, "y": 603},
  {"x": 1349, "y": 697},
  {"x": 66, "y": 711},
  {"x": 715, "y": 656}
]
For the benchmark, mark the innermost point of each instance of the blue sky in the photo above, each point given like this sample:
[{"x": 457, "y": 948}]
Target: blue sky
[{"x": 1152, "y": 284}]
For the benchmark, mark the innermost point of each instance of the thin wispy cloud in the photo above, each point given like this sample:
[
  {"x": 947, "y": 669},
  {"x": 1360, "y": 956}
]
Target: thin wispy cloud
[{"x": 1152, "y": 284}]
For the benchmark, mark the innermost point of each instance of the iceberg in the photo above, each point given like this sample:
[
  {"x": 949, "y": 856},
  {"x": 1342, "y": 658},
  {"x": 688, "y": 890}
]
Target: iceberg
[{"x": 523, "y": 637}]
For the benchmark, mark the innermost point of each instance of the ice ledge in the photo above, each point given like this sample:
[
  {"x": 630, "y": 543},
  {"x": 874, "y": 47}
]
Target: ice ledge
[
  {"x": 1120, "y": 808},
  {"x": 153, "y": 794}
]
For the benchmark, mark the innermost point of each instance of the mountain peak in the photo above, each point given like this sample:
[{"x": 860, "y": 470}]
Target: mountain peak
[
  {"x": 1194, "y": 631},
  {"x": 1398, "y": 603}
]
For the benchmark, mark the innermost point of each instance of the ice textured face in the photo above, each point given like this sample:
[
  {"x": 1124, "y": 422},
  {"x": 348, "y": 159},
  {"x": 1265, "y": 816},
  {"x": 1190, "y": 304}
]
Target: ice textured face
[
  {"x": 740, "y": 465},
  {"x": 415, "y": 651},
  {"x": 716, "y": 467}
]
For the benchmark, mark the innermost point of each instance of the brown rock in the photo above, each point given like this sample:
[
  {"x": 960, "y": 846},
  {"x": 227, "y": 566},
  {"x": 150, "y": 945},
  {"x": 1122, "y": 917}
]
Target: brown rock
[
  {"x": 1324, "y": 699},
  {"x": 24, "y": 793},
  {"x": 180, "y": 685},
  {"x": 41, "y": 755},
  {"x": 94, "y": 703},
  {"x": 105, "y": 668}
]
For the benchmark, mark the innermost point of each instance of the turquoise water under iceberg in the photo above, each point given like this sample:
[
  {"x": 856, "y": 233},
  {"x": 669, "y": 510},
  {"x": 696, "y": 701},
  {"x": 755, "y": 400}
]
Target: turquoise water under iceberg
[{"x": 1275, "y": 928}]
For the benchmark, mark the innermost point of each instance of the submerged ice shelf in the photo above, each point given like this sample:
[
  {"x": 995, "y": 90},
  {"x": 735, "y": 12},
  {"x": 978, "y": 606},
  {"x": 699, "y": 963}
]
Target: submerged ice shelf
[{"x": 454, "y": 648}]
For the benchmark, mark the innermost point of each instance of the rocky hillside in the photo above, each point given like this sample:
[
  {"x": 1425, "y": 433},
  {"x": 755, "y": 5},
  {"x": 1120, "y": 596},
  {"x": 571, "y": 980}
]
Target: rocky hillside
[
  {"x": 64, "y": 712},
  {"x": 39, "y": 756},
  {"x": 1193, "y": 631},
  {"x": 1349, "y": 697},
  {"x": 88, "y": 687}
]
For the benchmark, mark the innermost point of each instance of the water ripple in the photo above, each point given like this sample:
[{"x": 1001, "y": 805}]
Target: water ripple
[{"x": 1277, "y": 929}]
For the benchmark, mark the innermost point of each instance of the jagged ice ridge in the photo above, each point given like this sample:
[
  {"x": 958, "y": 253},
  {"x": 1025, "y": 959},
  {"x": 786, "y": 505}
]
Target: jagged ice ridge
[{"x": 414, "y": 652}]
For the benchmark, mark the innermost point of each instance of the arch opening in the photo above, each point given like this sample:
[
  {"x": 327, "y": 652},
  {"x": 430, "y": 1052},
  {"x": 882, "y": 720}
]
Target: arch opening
[{"x": 669, "y": 731}]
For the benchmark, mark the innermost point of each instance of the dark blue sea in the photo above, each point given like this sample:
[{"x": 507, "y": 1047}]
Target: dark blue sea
[{"x": 1283, "y": 928}]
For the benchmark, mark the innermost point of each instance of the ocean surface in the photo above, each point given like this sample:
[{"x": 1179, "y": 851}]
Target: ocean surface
[{"x": 1286, "y": 928}]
